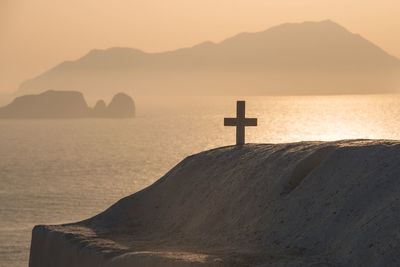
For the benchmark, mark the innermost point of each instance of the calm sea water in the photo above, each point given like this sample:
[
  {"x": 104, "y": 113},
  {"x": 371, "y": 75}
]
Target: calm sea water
[{"x": 57, "y": 171}]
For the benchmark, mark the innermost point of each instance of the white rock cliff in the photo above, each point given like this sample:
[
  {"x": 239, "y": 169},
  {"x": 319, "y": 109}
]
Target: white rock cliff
[{"x": 299, "y": 204}]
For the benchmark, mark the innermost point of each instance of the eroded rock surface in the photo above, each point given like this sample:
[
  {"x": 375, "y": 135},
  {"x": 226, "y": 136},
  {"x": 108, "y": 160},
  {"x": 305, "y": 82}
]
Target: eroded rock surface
[{"x": 298, "y": 204}]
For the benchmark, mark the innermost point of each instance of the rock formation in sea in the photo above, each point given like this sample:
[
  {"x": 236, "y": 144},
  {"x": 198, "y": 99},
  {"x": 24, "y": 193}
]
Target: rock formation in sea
[
  {"x": 66, "y": 104},
  {"x": 50, "y": 104},
  {"x": 100, "y": 109},
  {"x": 121, "y": 105},
  {"x": 297, "y": 204}
]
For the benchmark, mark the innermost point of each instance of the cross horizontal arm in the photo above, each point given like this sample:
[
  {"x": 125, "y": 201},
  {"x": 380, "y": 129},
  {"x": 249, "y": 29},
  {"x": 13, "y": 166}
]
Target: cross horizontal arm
[
  {"x": 250, "y": 122},
  {"x": 230, "y": 122}
]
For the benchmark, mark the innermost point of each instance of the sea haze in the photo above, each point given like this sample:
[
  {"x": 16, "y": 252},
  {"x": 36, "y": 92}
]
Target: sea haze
[{"x": 57, "y": 171}]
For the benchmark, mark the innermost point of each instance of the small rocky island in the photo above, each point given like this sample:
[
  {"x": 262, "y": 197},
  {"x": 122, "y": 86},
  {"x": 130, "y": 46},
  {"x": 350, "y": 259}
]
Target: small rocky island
[
  {"x": 282, "y": 205},
  {"x": 66, "y": 105}
]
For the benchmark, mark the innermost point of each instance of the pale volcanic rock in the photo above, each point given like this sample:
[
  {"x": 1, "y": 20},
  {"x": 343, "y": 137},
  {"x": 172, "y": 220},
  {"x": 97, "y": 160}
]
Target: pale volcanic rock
[{"x": 298, "y": 204}]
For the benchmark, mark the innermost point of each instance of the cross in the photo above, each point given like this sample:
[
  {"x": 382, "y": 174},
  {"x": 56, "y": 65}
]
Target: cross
[{"x": 240, "y": 122}]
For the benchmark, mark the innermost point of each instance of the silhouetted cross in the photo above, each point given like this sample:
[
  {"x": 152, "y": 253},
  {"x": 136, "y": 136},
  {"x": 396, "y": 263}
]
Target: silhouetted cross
[{"x": 240, "y": 122}]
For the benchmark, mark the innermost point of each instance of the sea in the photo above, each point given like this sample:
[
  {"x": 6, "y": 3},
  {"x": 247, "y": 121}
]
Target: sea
[{"x": 60, "y": 171}]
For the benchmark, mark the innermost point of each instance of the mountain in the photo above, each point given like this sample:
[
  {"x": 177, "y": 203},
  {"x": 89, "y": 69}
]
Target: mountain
[
  {"x": 66, "y": 105},
  {"x": 304, "y": 58}
]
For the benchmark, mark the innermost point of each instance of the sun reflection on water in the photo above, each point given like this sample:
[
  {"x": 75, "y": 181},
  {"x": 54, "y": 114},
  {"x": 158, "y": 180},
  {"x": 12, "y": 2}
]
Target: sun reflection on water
[{"x": 289, "y": 119}]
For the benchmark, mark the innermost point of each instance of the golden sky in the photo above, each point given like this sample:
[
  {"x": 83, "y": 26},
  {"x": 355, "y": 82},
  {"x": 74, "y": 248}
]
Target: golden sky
[{"x": 35, "y": 35}]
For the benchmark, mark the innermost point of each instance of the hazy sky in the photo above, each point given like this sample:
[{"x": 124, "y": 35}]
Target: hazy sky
[{"x": 35, "y": 35}]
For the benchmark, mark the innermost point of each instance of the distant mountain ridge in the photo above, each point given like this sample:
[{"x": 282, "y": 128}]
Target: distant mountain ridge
[
  {"x": 66, "y": 105},
  {"x": 294, "y": 58}
]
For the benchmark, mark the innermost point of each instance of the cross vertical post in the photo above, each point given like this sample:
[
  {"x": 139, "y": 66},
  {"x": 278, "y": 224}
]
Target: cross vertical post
[
  {"x": 240, "y": 129},
  {"x": 240, "y": 122}
]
